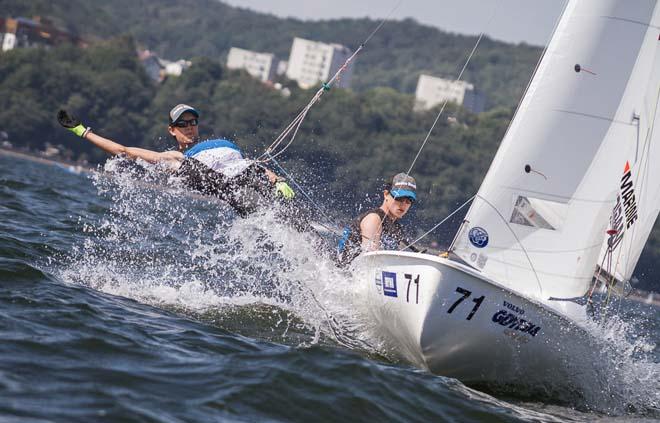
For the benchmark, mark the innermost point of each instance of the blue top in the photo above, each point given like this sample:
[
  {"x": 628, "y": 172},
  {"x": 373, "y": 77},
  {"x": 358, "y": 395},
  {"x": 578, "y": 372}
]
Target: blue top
[{"x": 211, "y": 144}]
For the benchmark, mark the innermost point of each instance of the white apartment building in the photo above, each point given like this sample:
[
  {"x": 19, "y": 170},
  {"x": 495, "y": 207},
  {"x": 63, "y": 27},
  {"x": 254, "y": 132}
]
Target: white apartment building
[
  {"x": 260, "y": 65},
  {"x": 312, "y": 63},
  {"x": 432, "y": 91}
]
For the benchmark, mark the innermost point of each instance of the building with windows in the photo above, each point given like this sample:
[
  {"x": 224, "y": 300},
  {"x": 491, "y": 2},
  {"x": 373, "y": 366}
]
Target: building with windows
[
  {"x": 432, "y": 91},
  {"x": 36, "y": 32},
  {"x": 313, "y": 62},
  {"x": 263, "y": 66}
]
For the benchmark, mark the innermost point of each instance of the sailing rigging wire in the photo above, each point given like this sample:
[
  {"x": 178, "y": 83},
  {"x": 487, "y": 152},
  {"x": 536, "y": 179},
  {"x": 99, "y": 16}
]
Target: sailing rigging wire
[
  {"x": 435, "y": 122},
  {"x": 442, "y": 109},
  {"x": 538, "y": 281},
  {"x": 309, "y": 198},
  {"x": 270, "y": 155},
  {"x": 438, "y": 225},
  {"x": 644, "y": 175},
  {"x": 538, "y": 63},
  {"x": 610, "y": 279},
  {"x": 294, "y": 126},
  {"x": 430, "y": 131},
  {"x": 459, "y": 78}
]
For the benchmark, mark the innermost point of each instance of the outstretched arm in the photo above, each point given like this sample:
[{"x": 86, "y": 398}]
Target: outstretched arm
[
  {"x": 114, "y": 148},
  {"x": 117, "y": 149}
]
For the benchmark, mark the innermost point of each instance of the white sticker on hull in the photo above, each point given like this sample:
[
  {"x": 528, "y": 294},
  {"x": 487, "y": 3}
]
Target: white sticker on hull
[{"x": 379, "y": 281}]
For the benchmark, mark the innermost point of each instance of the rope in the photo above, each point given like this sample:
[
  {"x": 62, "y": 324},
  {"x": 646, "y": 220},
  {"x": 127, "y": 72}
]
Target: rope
[
  {"x": 643, "y": 172},
  {"x": 459, "y": 77},
  {"x": 442, "y": 109},
  {"x": 444, "y": 104},
  {"x": 309, "y": 198},
  {"x": 438, "y": 225},
  {"x": 428, "y": 135},
  {"x": 643, "y": 175},
  {"x": 430, "y": 131},
  {"x": 531, "y": 265},
  {"x": 294, "y": 126}
]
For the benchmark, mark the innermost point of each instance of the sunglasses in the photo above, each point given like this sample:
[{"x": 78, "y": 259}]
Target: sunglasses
[
  {"x": 405, "y": 199},
  {"x": 185, "y": 123}
]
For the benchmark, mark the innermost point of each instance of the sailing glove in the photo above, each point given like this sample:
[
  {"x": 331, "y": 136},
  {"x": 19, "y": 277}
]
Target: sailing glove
[
  {"x": 282, "y": 189},
  {"x": 72, "y": 123}
]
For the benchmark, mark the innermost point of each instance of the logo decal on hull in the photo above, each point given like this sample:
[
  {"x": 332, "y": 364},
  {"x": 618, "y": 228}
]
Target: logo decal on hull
[
  {"x": 389, "y": 284},
  {"x": 514, "y": 307},
  {"x": 478, "y": 237},
  {"x": 512, "y": 321}
]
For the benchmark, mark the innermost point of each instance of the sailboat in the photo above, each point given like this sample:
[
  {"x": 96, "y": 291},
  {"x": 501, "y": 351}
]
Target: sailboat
[{"x": 573, "y": 185}]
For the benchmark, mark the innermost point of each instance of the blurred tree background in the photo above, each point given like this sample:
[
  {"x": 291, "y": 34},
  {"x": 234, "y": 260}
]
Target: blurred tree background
[
  {"x": 350, "y": 142},
  {"x": 348, "y": 145}
]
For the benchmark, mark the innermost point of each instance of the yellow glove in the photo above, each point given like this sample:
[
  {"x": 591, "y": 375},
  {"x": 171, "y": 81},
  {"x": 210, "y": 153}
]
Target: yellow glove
[
  {"x": 72, "y": 123},
  {"x": 282, "y": 189}
]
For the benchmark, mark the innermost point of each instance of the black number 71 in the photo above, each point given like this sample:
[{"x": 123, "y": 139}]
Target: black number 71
[
  {"x": 466, "y": 294},
  {"x": 409, "y": 277}
]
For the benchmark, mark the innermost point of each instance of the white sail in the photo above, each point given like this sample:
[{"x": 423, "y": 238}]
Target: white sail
[
  {"x": 538, "y": 221},
  {"x": 638, "y": 201}
]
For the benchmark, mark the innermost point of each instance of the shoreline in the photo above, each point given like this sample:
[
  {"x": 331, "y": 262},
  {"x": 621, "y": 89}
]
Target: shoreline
[{"x": 72, "y": 167}]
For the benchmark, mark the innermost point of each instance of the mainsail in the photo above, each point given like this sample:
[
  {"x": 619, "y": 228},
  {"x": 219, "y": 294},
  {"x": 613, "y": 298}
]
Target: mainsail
[{"x": 538, "y": 221}]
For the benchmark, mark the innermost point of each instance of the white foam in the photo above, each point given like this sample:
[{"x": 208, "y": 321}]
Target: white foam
[
  {"x": 162, "y": 247},
  {"x": 166, "y": 248}
]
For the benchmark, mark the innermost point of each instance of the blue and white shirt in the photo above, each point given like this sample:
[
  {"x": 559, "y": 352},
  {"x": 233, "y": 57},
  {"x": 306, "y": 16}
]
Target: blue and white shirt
[{"x": 221, "y": 155}]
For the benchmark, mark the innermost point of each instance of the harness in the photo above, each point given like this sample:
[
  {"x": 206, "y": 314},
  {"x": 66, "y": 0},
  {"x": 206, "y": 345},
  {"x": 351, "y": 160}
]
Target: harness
[{"x": 217, "y": 168}]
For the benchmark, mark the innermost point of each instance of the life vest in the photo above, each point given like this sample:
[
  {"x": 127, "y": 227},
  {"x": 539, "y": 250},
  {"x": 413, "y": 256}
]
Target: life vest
[{"x": 350, "y": 244}]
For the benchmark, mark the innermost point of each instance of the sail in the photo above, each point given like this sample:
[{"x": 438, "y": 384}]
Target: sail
[
  {"x": 638, "y": 201},
  {"x": 538, "y": 221}
]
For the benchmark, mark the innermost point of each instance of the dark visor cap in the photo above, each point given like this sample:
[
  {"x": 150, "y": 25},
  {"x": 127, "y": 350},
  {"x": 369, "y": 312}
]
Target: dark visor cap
[{"x": 180, "y": 109}]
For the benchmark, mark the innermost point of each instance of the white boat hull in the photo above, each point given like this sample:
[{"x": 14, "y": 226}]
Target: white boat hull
[{"x": 445, "y": 317}]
